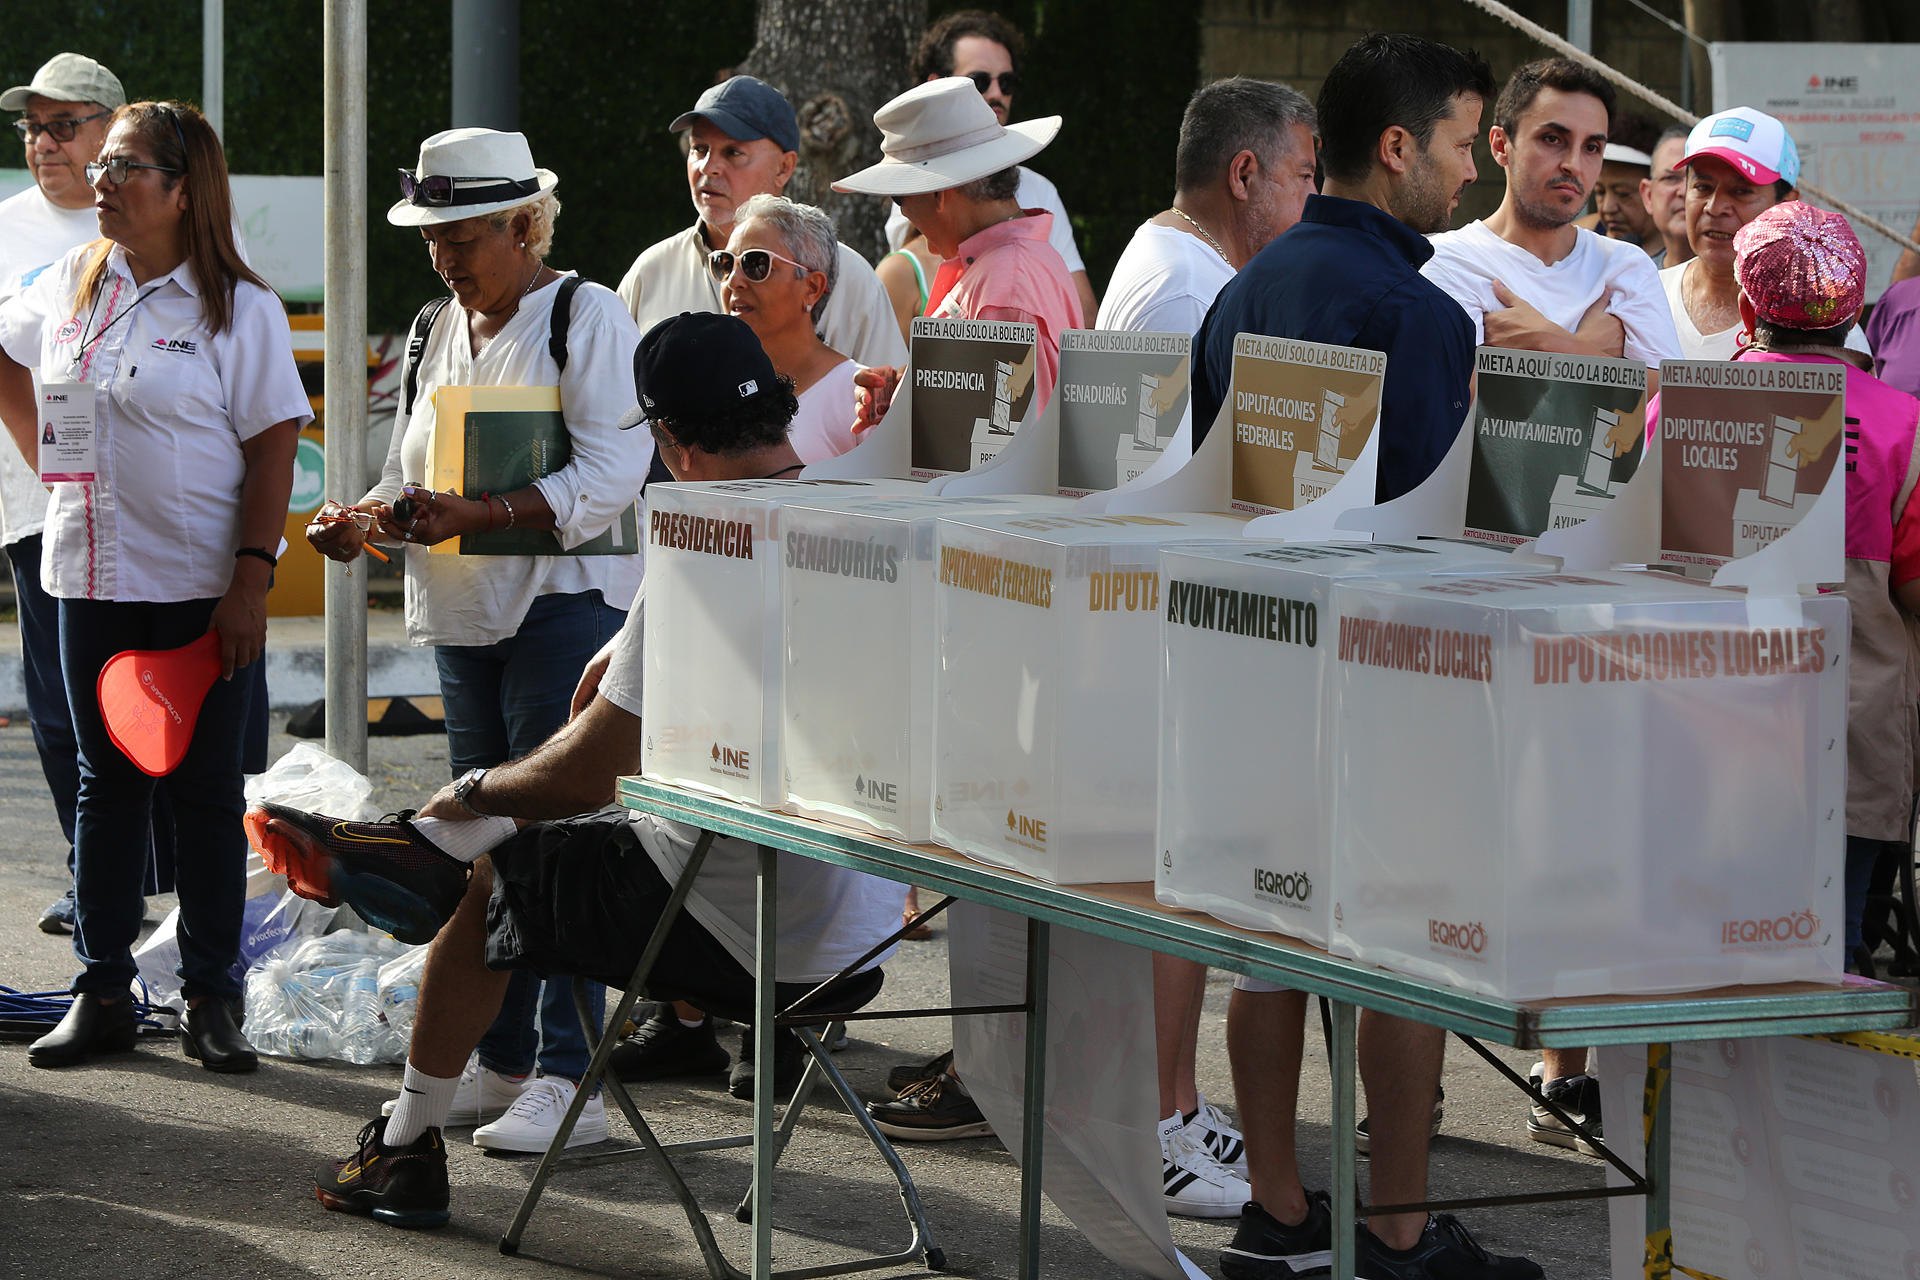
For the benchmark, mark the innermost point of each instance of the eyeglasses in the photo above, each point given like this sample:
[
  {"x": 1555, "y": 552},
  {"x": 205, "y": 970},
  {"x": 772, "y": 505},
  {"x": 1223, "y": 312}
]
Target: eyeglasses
[
  {"x": 1009, "y": 81},
  {"x": 440, "y": 190},
  {"x": 115, "y": 170},
  {"x": 62, "y": 130},
  {"x": 755, "y": 264}
]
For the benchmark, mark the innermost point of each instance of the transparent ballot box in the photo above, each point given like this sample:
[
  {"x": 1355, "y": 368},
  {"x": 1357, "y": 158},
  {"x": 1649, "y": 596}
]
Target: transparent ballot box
[
  {"x": 1575, "y": 785},
  {"x": 712, "y": 664},
  {"x": 1047, "y": 693},
  {"x": 860, "y": 655},
  {"x": 1245, "y": 724}
]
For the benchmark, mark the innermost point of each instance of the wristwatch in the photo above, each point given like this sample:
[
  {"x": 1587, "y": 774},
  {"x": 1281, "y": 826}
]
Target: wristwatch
[{"x": 463, "y": 788}]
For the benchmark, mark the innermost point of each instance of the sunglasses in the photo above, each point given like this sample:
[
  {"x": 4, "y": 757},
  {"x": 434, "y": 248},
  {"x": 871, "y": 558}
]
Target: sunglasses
[
  {"x": 440, "y": 190},
  {"x": 115, "y": 170},
  {"x": 1009, "y": 81},
  {"x": 62, "y": 130},
  {"x": 755, "y": 264}
]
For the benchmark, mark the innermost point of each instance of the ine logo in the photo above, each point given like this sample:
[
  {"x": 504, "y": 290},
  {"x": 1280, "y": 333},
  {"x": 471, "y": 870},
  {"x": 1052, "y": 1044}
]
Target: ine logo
[
  {"x": 732, "y": 762},
  {"x": 1023, "y": 830},
  {"x": 880, "y": 793},
  {"x": 1833, "y": 84}
]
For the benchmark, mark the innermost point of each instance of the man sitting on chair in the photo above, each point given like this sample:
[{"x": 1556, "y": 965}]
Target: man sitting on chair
[{"x": 579, "y": 895}]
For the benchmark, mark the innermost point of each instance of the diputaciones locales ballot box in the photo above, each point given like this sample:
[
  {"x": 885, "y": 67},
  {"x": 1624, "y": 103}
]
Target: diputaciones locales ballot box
[
  {"x": 712, "y": 665},
  {"x": 1047, "y": 689},
  {"x": 858, "y": 688},
  {"x": 1573, "y": 785},
  {"x": 1246, "y": 720}
]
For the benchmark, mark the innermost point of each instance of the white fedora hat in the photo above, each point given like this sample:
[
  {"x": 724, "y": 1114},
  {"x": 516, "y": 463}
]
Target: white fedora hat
[
  {"x": 942, "y": 134},
  {"x": 464, "y": 173}
]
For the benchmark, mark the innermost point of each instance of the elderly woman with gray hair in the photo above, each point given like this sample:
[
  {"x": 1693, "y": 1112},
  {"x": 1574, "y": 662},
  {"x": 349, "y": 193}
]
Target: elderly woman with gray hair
[{"x": 777, "y": 273}]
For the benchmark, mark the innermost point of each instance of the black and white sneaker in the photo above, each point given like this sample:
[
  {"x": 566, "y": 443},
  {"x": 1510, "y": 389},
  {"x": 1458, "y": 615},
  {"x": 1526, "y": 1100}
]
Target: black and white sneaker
[
  {"x": 1579, "y": 1097},
  {"x": 1364, "y": 1144},
  {"x": 1444, "y": 1252},
  {"x": 1264, "y": 1248},
  {"x": 1193, "y": 1183}
]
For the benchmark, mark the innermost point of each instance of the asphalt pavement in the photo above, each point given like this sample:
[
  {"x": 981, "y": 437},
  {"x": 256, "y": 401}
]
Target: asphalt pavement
[{"x": 144, "y": 1164}]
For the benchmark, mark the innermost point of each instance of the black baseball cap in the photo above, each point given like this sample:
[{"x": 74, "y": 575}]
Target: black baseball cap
[
  {"x": 697, "y": 363},
  {"x": 746, "y": 109}
]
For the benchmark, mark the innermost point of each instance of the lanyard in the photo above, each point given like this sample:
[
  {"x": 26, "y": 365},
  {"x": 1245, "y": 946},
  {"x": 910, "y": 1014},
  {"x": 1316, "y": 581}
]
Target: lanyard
[{"x": 87, "y": 344}]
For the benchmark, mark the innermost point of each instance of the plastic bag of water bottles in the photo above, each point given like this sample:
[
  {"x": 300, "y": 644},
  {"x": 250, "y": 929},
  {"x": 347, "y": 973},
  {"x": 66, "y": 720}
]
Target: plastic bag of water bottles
[{"x": 327, "y": 997}]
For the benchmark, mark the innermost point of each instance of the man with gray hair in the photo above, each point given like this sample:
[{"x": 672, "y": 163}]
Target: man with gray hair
[{"x": 1242, "y": 174}]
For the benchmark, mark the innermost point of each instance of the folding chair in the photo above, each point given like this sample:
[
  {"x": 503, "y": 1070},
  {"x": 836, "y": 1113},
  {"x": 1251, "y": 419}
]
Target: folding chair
[{"x": 803, "y": 1009}]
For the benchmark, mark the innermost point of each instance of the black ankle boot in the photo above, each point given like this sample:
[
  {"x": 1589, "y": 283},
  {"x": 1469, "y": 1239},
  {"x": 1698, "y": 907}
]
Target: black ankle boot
[
  {"x": 209, "y": 1034},
  {"x": 90, "y": 1027}
]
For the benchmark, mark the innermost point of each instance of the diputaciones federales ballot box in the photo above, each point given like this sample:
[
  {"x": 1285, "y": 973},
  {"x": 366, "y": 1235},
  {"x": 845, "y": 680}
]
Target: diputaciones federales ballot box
[
  {"x": 1046, "y": 695},
  {"x": 1577, "y": 784}
]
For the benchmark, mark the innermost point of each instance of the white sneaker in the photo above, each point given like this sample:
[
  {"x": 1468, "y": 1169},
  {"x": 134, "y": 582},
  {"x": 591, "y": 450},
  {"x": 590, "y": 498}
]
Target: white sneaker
[
  {"x": 534, "y": 1118},
  {"x": 483, "y": 1095},
  {"x": 1217, "y": 1134},
  {"x": 1193, "y": 1183}
]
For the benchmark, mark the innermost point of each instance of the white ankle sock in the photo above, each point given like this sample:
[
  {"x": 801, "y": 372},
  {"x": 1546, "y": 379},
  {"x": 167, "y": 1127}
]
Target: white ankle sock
[
  {"x": 425, "y": 1103},
  {"x": 466, "y": 839}
]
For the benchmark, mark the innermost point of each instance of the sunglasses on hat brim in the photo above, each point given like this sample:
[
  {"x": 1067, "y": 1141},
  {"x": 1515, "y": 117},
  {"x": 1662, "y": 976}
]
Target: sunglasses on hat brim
[{"x": 441, "y": 190}]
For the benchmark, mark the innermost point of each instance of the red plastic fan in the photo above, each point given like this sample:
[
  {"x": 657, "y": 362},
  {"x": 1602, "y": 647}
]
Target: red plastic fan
[{"x": 151, "y": 699}]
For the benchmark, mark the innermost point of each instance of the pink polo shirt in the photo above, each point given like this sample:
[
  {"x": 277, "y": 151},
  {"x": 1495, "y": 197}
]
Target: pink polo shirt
[{"x": 1010, "y": 272}]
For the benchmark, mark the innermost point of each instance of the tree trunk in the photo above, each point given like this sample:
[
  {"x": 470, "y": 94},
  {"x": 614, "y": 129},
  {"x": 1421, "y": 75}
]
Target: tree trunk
[{"x": 837, "y": 63}]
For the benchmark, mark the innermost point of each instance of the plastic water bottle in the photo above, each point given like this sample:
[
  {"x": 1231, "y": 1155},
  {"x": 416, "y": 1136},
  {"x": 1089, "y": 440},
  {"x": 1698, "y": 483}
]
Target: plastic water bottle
[
  {"x": 360, "y": 1015},
  {"x": 312, "y": 1039}
]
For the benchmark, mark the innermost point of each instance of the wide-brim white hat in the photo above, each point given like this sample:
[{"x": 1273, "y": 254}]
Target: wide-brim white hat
[
  {"x": 490, "y": 170},
  {"x": 942, "y": 134}
]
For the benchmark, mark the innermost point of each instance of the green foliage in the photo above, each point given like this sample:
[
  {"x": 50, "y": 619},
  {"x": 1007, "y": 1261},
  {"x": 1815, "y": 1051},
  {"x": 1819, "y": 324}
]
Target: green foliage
[{"x": 598, "y": 85}]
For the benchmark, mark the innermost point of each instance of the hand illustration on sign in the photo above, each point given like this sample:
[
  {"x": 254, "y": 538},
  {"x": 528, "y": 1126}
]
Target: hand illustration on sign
[
  {"x": 1811, "y": 443},
  {"x": 1625, "y": 434},
  {"x": 1021, "y": 376},
  {"x": 1171, "y": 385}
]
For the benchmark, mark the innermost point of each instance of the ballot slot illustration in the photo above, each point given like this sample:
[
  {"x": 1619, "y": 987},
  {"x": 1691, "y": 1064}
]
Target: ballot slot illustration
[
  {"x": 1002, "y": 399},
  {"x": 1783, "y": 469},
  {"x": 1326, "y": 456},
  {"x": 1599, "y": 471},
  {"x": 1146, "y": 432}
]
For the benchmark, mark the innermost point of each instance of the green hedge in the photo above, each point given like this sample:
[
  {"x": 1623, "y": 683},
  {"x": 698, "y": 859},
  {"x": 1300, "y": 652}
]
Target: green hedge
[{"x": 599, "y": 83}]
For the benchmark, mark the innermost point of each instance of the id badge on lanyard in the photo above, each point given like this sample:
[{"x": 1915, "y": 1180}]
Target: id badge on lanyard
[{"x": 68, "y": 433}]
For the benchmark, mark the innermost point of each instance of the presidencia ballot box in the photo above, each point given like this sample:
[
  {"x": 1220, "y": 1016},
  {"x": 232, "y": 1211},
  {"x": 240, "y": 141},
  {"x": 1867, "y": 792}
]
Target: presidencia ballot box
[
  {"x": 858, "y": 689},
  {"x": 1246, "y": 720},
  {"x": 713, "y": 637},
  {"x": 1046, "y": 697}
]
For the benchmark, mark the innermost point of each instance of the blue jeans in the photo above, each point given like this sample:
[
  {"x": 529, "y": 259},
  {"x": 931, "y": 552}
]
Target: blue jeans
[
  {"x": 503, "y": 700},
  {"x": 52, "y": 722},
  {"x": 115, "y": 806}
]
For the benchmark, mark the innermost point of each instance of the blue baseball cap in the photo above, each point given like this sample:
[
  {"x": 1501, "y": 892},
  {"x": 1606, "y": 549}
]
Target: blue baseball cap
[{"x": 745, "y": 109}]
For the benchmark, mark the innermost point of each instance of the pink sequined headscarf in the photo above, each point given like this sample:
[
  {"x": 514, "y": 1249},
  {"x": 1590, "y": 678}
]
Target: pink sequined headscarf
[{"x": 1801, "y": 267}]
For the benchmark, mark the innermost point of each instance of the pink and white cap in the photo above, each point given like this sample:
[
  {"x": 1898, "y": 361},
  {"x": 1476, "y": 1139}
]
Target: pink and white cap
[{"x": 1751, "y": 141}]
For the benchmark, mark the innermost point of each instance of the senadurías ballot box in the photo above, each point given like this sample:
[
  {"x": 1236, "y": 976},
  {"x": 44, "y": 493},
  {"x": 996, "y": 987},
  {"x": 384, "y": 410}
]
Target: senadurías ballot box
[
  {"x": 1047, "y": 693},
  {"x": 1571, "y": 785},
  {"x": 712, "y": 664},
  {"x": 860, "y": 655},
  {"x": 1246, "y": 720}
]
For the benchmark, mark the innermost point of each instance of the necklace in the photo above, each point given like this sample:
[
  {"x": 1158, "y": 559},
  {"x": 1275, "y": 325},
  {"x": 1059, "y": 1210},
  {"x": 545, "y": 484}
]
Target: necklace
[{"x": 1204, "y": 235}]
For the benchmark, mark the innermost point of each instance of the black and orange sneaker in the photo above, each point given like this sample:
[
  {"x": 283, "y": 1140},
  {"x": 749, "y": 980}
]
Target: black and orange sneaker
[
  {"x": 401, "y": 1186},
  {"x": 387, "y": 871}
]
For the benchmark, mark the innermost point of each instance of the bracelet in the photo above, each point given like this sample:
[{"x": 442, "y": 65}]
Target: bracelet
[
  {"x": 488, "y": 499},
  {"x": 259, "y": 553},
  {"x": 509, "y": 507}
]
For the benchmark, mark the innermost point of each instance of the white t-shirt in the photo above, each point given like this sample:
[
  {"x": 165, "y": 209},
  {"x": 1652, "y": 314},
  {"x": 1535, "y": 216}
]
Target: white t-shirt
[
  {"x": 471, "y": 600},
  {"x": 173, "y": 403},
  {"x": 1724, "y": 345},
  {"x": 1466, "y": 262},
  {"x": 823, "y": 428},
  {"x": 671, "y": 276},
  {"x": 35, "y": 233},
  {"x": 828, "y": 916},
  {"x": 1035, "y": 192},
  {"x": 1164, "y": 282}
]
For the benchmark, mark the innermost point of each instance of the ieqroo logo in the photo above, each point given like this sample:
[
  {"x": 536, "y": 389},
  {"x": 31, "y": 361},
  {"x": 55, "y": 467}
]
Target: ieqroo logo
[
  {"x": 1801, "y": 929},
  {"x": 1468, "y": 939},
  {"x": 1287, "y": 886}
]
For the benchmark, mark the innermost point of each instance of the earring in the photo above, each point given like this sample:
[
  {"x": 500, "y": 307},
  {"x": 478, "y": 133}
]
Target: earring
[{"x": 523, "y": 244}]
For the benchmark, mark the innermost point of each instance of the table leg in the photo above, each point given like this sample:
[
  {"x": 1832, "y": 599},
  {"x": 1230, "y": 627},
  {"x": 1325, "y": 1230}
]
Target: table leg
[
  {"x": 765, "y": 1144},
  {"x": 1657, "y": 1117},
  {"x": 1033, "y": 1123},
  {"x": 1342, "y": 1056}
]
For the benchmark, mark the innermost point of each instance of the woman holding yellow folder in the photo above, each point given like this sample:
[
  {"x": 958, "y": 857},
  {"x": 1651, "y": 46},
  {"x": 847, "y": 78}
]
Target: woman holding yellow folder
[{"x": 511, "y": 633}]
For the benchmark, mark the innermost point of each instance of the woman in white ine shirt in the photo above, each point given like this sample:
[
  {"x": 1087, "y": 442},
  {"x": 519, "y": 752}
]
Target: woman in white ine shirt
[
  {"x": 182, "y": 406},
  {"x": 511, "y": 634}
]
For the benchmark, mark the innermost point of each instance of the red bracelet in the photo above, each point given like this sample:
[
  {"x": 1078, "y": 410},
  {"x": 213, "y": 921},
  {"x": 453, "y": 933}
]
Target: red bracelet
[{"x": 488, "y": 499}]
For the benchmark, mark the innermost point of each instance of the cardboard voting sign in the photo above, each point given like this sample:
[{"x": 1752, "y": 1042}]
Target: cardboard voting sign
[
  {"x": 972, "y": 389},
  {"x": 1122, "y": 396},
  {"x": 1569, "y": 785},
  {"x": 1556, "y": 439},
  {"x": 1747, "y": 448},
  {"x": 1303, "y": 412}
]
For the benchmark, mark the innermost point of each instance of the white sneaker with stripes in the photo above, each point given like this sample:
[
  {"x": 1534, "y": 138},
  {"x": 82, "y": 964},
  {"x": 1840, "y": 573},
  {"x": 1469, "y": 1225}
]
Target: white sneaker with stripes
[
  {"x": 1217, "y": 1134},
  {"x": 1193, "y": 1183}
]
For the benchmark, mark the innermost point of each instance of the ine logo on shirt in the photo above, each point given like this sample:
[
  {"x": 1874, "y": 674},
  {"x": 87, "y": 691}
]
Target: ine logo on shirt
[{"x": 184, "y": 346}]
